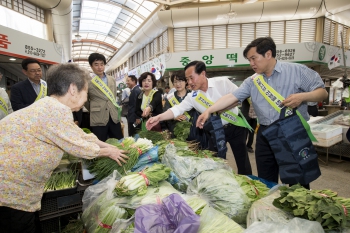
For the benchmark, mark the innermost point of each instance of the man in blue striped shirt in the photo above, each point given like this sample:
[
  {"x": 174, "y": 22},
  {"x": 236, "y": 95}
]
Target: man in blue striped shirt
[{"x": 295, "y": 82}]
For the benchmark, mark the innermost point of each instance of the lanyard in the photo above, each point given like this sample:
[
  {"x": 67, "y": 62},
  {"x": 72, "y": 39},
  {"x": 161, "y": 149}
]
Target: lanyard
[
  {"x": 3, "y": 106},
  {"x": 173, "y": 101},
  {"x": 148, "y": 99},
  {"x": 275, "y": 100},
  {"x": 106, "y": 91},
  {"x": 228, "y": 115},
  {"x": 43, "y": 90}
]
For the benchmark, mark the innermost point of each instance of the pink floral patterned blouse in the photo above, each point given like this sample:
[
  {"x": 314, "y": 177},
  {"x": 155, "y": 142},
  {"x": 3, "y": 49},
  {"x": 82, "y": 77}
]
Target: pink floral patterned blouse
[{"x": 32, "y": 143}]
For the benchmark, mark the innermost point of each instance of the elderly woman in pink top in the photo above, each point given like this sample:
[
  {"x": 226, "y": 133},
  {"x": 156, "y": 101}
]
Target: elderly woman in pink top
[{"x": 33, "y": 141}]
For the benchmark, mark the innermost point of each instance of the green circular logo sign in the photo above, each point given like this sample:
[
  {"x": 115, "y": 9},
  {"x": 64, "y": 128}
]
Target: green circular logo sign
[
  {"x": 121, "y": 85},
  {"x": 322, "y": 53}
]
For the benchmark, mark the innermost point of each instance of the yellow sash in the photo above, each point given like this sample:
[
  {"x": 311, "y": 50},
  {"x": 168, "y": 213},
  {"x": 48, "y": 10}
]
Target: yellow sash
[
  {"x": 3, "y": 106},
  {"x": 275, "y": 100},
  {"x": 173, "y": 101},
  {"x": 43, "y": 90},
  {"x": 227, "y": 115},
  {"x": 97, "y": 81},
  {"x": 148, "y": 99}
]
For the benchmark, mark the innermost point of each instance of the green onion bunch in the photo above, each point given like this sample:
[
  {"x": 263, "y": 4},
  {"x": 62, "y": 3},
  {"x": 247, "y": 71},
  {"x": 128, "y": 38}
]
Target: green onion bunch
[
  {"x": 136, "y": 183},
  {"x": 61, "y": 180}
]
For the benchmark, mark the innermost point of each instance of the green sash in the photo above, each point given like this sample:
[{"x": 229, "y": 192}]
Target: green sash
[
  {"x": 3, "y": 106},
  {"x": 227, "y": 115},
  {"x": 43, "y": 90},
  {"x": 173, "y": 101},
  {"x": 97, "y": 81},
  {"x": 275, "y": 100},
  {"x": 148, "y": 99}
]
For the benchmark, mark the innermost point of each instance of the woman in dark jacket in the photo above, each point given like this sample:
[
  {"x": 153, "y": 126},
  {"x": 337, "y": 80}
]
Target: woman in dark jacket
[
  {"x": 179, "y": 81},
  {"x": 149, "y": 102}
]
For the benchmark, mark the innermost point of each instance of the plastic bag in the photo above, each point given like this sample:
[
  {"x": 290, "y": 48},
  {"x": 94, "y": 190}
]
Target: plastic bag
[
  {"x": 263, "y": 210},
  {"x": 94, "y": 191},
  {"x": 221, "y": 190},
  {"x": 172, "y": 216},
  {"x": 214, "y": 221},
  {"x": 153, "y": 195},
  {"x": 188, "y": 167},
  {"x": 295, "y": 225},
  {"x": 146, "y": 159}
]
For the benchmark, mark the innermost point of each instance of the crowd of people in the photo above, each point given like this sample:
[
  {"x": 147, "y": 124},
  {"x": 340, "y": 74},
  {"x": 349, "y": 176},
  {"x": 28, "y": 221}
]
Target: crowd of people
[{"x": 42, "y": 128}]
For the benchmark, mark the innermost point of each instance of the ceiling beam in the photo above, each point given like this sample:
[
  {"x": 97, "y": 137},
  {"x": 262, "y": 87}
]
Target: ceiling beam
[{"x": 95, "y": 41}]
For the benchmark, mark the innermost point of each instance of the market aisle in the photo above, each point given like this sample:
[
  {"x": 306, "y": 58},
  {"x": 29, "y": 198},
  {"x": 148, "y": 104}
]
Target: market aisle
[{"x": 335, "y": 176}]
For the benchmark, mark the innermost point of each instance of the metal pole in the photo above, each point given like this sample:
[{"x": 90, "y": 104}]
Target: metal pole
[{"x": 344, "y": 58}]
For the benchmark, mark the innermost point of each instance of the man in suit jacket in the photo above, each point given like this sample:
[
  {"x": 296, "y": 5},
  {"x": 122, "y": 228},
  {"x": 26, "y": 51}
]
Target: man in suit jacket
[
  {"x": 26, "y": 92},
  {"x": 131, "y": 82},
  {"x": 104, "y": 111}
]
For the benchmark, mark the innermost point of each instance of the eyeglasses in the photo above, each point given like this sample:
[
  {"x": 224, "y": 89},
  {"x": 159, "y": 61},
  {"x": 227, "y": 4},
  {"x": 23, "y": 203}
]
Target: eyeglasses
[
  {"x": 35, "y": 71},
  {"x": 178, "y": 82}
]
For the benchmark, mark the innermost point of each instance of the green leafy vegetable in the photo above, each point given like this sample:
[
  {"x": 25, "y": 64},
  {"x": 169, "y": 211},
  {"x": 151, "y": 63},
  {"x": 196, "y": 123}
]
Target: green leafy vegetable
[{"x": 182, "y": 130}]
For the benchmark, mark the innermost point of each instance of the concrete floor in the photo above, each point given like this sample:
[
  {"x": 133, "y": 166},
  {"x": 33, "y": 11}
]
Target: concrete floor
[{"x": 335, "y": 176}]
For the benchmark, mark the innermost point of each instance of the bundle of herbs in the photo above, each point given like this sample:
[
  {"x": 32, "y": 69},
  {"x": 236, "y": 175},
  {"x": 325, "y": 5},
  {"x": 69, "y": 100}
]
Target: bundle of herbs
[
  {"x": 253, "y": 188},
  {"x": 103, "y": 167},
  {"x": 61, "y": 180},
  {"x": 154, "y": 136},
  {"x": 182, "y": 130},
  {"x": 180, "y": 145},
  {"x": 136, "y": 183},
  {"x": 322, "y": 206}
]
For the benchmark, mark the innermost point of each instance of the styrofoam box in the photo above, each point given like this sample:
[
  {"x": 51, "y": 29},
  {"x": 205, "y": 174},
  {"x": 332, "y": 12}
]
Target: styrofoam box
[
  {"x": 329, "y": 141},
  {"x": 325, "y": 131}
]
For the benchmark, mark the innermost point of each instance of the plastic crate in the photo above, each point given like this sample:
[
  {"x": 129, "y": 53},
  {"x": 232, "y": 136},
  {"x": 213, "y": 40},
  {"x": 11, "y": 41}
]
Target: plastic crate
[
  {"x": 56, "y": 224},
  {"x": 58, "y": 205}
]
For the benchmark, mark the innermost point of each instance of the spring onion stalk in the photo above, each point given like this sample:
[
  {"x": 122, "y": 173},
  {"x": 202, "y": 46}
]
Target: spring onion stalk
[
  {"x": 61, "y": 180},
  {"x": 136, "y": 183}
]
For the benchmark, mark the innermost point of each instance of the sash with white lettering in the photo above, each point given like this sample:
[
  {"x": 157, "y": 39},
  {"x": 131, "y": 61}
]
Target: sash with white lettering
[
  {"x": 173, "y": 101},
  {"x": 148, "y": 99},
  {"x": 275, "y": 100},
  {"x": 43, "y": 90},
  {"x": 97, "y": 81},
  {"x": 227, "y": 115},
  {"x": 3, "y": 106}
]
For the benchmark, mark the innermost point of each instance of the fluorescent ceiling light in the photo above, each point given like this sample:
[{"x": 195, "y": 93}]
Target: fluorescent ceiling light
[
  {"x": 249, "y": 1},
  {"x": 12, "y": 59}
]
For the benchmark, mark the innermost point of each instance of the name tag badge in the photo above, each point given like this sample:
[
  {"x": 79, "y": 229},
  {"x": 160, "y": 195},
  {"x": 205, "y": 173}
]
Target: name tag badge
[{"x": 194, "y": 94}]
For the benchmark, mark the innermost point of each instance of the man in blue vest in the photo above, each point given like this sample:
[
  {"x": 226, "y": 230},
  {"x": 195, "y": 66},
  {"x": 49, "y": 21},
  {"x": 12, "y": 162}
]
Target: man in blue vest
[{"x": 295, "y": 82}]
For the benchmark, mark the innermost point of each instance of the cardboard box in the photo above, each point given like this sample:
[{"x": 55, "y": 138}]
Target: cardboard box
[
  {"x": 323, "y": 131},
  {"x": 328, "y": 142}
]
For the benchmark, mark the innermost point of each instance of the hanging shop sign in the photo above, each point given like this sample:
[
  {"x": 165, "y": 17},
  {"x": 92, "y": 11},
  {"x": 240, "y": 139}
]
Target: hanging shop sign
[
  {"x": 17, "y": 44},
  {"x": 156, "y": 66},
  {"x": 233, "y": 57}
]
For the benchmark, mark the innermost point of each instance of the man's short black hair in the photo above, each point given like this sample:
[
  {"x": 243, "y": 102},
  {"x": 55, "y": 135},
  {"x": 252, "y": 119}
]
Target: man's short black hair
[
  {"x": 96, "y": 57},
  {"x": 262, "y": 44},
  {"x": 28, "y": 61},
  {"x": 133, "y": 78},
  {"x": 199, "y": 66},
  {"x": 145, "y": 75}
]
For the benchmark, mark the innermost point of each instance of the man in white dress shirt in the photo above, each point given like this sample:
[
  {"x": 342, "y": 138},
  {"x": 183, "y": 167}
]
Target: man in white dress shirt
[{"x": 211, "y": 90}]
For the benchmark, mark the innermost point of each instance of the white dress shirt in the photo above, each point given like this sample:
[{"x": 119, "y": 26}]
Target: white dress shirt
[{"x": 217, "y": 87}]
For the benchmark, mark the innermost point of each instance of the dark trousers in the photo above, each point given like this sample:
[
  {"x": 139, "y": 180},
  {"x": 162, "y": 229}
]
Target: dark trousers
[
  {"x": 312, "y": 110},
  {"x": 252, "y": 122},
  {"x": 236, "y": 137},
  {"x": 132, "y": 130},
  {"x": 111, "y": 130},
  {"x": 265, "y": 159},
  {"x": 18, "y": 221}
]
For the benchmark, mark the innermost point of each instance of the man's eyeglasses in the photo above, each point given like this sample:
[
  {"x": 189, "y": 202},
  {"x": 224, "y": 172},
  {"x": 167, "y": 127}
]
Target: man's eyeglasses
[{"x": 35, "y": 71}]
